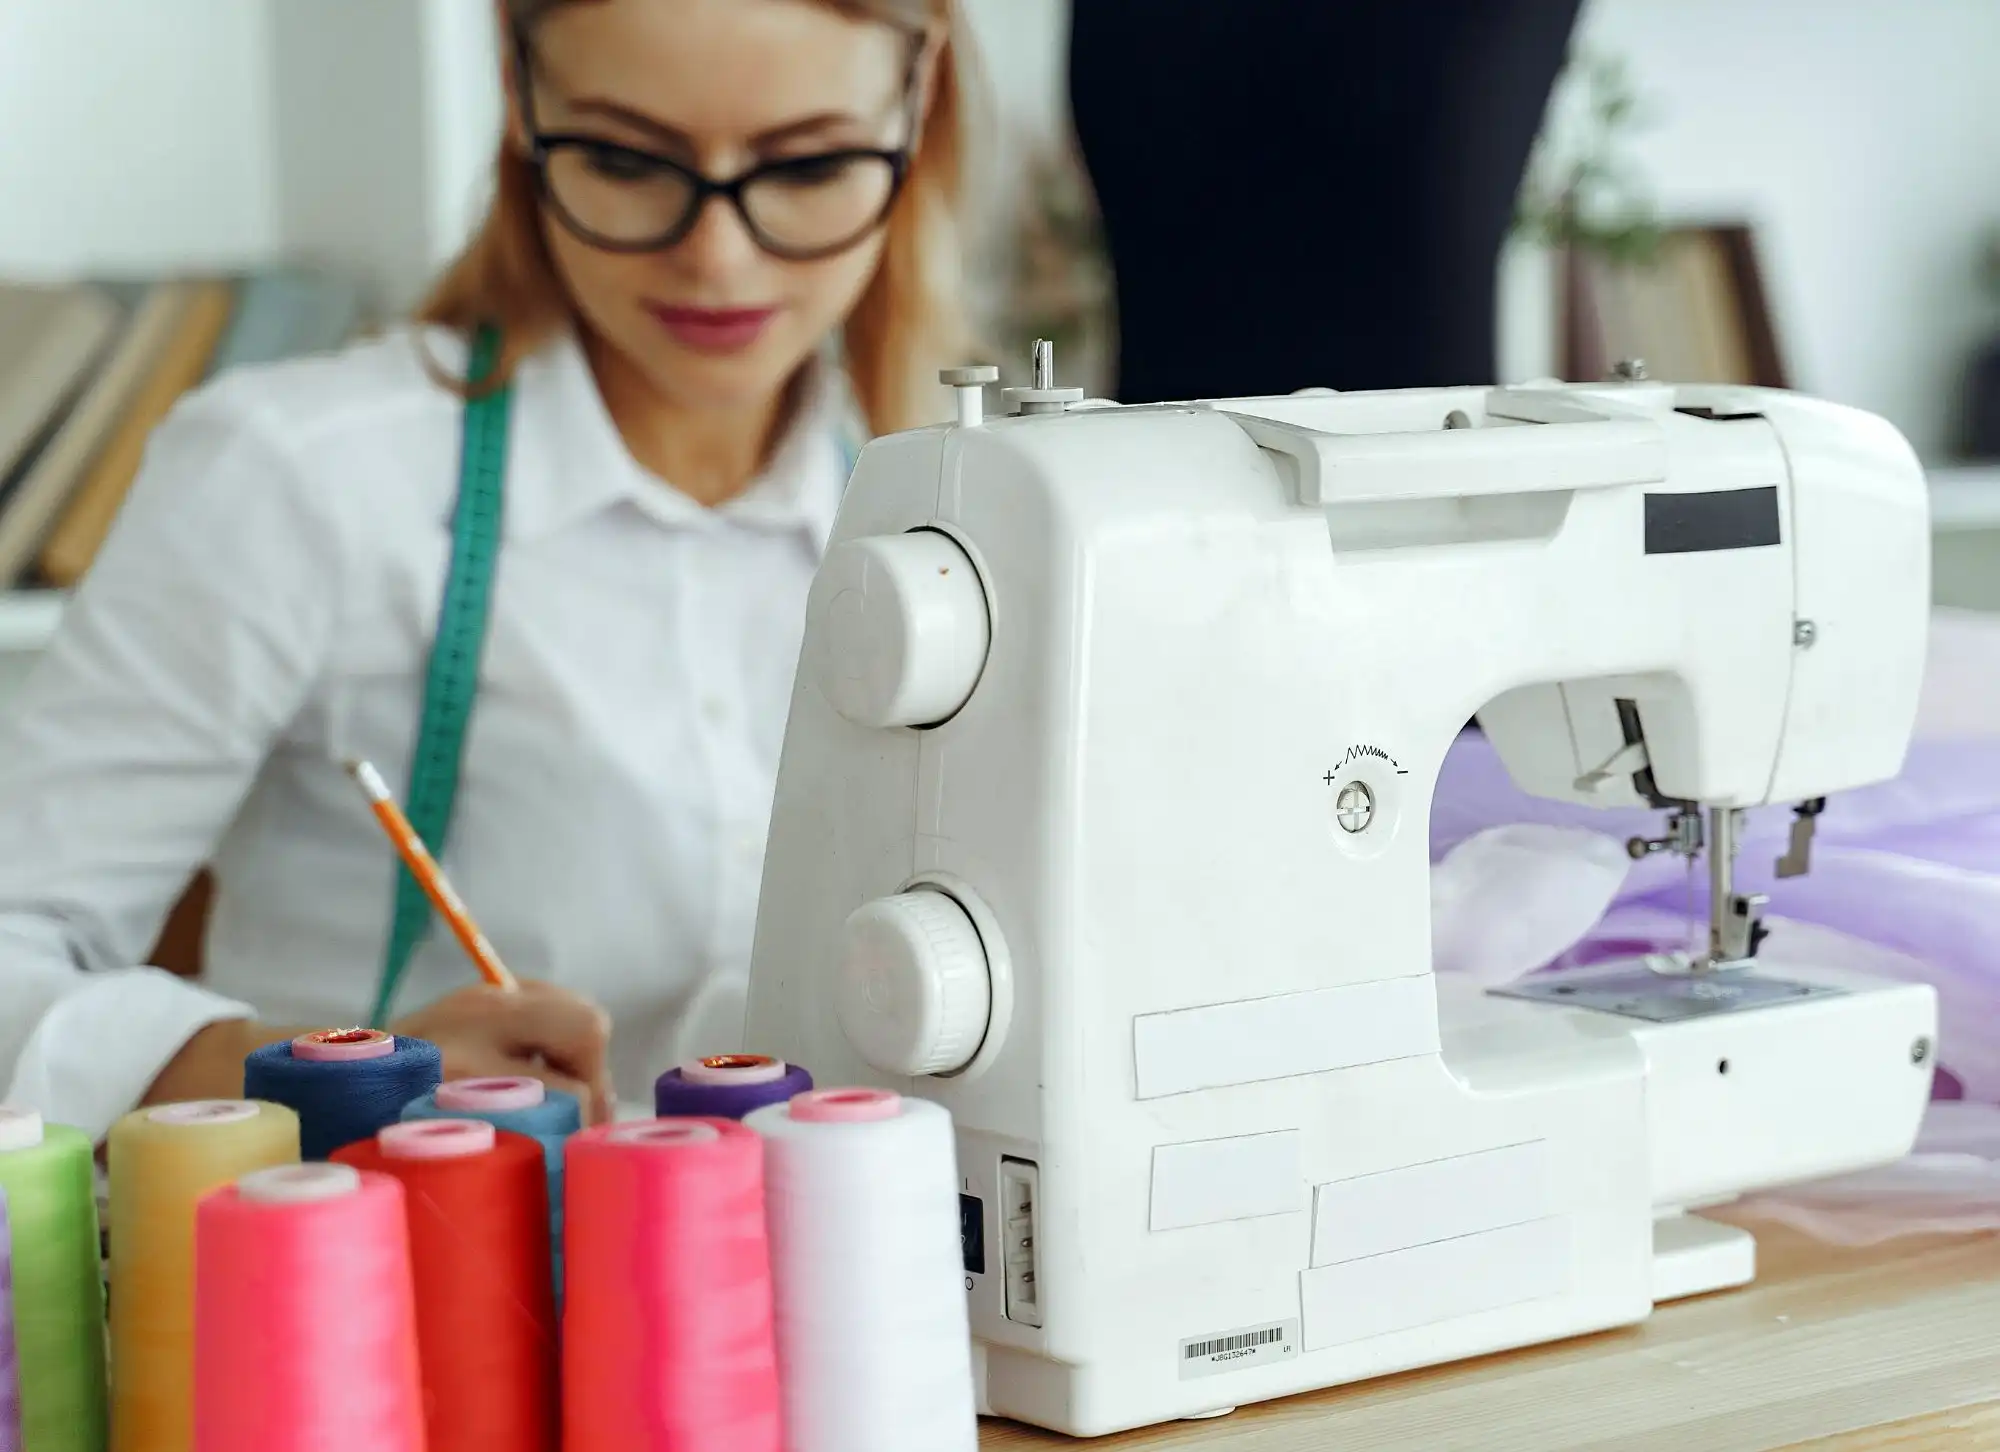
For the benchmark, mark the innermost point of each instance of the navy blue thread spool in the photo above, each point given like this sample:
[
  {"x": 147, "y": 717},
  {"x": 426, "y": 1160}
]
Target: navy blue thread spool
[
  {"x": 344, "y": 1084},
  {"x": 727, "y": 1086},
  {"x": 522, "y": 1106}
]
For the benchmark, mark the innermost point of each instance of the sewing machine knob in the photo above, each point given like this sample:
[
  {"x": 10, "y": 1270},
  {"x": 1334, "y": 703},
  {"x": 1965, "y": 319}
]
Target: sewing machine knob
[
  {"x": 914, "y": 993},
  {"x": 905, "y": 629}
]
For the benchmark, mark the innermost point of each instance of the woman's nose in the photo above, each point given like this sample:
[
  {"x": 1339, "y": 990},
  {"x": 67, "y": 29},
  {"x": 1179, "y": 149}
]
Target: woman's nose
[{"x": 719, "y": 244}]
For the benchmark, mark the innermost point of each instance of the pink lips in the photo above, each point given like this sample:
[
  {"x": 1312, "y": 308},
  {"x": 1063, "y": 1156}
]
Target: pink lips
[{"x": 713, "y": 330}]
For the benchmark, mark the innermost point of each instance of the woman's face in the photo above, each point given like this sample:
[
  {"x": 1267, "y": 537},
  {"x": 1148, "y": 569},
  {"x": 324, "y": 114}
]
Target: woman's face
[{"x": 720, "y": 87}]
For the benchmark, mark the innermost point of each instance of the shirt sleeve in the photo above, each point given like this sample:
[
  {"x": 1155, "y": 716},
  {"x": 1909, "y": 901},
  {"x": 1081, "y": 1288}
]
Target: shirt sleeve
[{"x": 186, "y": 653}]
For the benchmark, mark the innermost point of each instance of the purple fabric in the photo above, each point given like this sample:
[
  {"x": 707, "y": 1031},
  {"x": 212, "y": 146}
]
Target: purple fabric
[
  {"x": 1910, "y": 867},
  {"x": 10, "y": 1359},
  {"x": 674, "y": 1096}
]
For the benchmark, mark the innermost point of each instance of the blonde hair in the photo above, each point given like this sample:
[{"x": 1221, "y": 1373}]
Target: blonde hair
[{"x": 909, "y": 321}]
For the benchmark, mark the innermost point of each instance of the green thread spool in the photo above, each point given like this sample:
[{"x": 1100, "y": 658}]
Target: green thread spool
[{"x": 58, "y": 1284}]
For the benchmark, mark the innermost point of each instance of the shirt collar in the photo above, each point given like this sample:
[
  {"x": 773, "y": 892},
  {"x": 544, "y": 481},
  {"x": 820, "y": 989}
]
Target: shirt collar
[{"x": 567, "y": 460}]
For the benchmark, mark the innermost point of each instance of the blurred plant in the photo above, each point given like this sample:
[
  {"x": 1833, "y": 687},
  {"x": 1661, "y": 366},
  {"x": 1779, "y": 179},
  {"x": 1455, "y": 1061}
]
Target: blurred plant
[
  {"x": 1990, "y": 264},
  {"x": 1586, "y": 196}
]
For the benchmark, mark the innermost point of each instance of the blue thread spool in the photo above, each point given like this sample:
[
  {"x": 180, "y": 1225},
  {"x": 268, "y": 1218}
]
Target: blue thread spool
[
  {"x": 522, "y": 1106},
  {"x": 344, "y": 1084}
]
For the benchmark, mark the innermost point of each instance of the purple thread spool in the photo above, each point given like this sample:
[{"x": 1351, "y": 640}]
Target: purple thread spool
[
  {"x": 726, "y": 1086},
  {"x": 10, "y": 1357}
]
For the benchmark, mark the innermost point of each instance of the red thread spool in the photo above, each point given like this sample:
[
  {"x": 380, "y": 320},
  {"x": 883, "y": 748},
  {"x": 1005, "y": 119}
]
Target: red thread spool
[
  {"x": 478, "y": 1205},
  {"x": 668, "y": 1342},
  {"x": 305, "y": 1323}
]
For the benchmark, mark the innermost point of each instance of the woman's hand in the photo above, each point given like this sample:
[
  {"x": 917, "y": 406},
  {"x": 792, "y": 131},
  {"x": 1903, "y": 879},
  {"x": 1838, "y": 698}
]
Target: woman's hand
[{"x": 540, "y": 1031}]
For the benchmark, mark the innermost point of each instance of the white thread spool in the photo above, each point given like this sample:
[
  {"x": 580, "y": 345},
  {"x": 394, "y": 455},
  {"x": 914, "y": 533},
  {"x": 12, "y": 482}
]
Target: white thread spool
[{"x": 861, "y": 1194}]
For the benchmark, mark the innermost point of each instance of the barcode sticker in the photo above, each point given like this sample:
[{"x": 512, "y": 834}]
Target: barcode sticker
[{"x": 1243, "y": 1347}]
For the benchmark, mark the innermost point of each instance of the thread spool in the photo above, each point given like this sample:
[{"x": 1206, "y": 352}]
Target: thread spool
[
  {"x": 477, "y": 1205},
  {"x": 10, "y": 1359},
  {"x": 46, "y": 1173},
  {"x": 667, "y": 1335},
  {"x": 873, "y": 1335},
  {"x": 726, "y": 1086},
  {"x": 161, "y": 1162},
  {"x": 344, "y": 1084},
  {"x": 520, "y": 1106},
  {"x": 305, "y": 1314}
]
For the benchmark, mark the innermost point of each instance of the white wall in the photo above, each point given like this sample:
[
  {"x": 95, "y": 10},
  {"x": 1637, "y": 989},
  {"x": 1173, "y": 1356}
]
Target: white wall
[
  {"x": 1863, "y": 139},
  {"x": 464, "y": 116},
  {"x": 134, "y": 134},
  {"x": 159, "y": 135}
]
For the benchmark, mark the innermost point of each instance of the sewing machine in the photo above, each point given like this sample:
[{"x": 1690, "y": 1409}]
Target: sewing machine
[{"x": 1102, "y": 821}]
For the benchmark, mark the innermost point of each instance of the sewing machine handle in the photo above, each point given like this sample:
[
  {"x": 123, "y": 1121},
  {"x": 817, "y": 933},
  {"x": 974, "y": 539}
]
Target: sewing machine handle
[{"x": 1518, "y": 456}]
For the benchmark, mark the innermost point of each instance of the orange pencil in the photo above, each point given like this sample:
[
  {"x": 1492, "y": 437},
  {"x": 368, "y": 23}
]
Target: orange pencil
[{"x": 430, "y": 877}]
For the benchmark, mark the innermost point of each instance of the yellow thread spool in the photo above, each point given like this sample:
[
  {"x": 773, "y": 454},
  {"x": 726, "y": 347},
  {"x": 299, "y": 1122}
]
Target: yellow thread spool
[{"x": 161, "y": 1162}]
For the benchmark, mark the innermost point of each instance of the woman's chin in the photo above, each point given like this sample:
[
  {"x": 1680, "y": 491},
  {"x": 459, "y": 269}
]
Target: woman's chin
[{"x": 746, "y": 380}]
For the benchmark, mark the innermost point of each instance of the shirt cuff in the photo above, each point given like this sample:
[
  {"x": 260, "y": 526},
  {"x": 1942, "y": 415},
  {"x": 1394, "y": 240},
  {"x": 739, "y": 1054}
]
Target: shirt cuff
[{"x": 99, "y": 1048}]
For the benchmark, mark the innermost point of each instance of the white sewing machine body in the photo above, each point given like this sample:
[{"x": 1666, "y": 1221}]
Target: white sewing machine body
[{"x": 1171, "y": 970}]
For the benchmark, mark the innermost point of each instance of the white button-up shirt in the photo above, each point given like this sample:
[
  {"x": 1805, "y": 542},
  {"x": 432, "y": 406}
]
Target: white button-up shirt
[{"x": 262, "y": 612}]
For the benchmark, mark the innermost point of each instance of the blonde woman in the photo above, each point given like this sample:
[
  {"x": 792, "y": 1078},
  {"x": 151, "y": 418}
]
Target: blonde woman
[{"x": 541, "y": 558}]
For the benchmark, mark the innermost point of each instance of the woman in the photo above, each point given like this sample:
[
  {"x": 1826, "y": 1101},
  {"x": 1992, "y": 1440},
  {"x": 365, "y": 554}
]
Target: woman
[{"x": 632, "y": 370}]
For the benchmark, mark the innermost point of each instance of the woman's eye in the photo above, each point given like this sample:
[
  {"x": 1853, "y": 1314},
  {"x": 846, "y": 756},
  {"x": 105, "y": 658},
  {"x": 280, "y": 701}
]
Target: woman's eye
[
  {"x": 615, "y": 164},
  {"x": 811, "y": 171}
]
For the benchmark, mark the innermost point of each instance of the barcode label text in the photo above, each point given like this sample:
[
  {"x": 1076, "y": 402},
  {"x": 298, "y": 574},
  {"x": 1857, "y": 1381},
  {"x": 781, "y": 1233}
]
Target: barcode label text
[
  {"x": 1243, "y": 1347},
  {"x": 1236, "y": 1343}
]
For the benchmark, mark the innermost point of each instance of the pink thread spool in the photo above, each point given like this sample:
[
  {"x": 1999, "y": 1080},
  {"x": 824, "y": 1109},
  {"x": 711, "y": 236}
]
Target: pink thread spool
[
  {"x": 305, "y": 1316},
  {"x": 667, "y": 1251}
]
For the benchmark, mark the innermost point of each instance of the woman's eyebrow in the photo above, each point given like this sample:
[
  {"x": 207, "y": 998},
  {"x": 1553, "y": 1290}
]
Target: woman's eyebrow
[{"x": 804, "y": 126}]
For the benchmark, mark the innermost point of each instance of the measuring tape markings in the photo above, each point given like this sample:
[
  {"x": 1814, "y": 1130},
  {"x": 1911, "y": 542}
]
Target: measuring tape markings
[{"x": 451, "y": 678}]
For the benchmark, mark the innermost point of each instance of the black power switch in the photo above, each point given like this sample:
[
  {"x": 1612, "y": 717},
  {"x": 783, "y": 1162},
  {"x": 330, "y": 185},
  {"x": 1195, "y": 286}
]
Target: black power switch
[{"x": 972, "y": 1233}]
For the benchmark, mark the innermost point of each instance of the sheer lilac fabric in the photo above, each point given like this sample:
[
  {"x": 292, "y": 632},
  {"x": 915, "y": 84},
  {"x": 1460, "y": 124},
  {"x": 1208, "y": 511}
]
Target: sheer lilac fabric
[{"x": 1905, "y": 883}]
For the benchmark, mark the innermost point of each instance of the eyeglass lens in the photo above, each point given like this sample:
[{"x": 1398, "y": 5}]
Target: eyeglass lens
[{"x": 628, "y": 199}]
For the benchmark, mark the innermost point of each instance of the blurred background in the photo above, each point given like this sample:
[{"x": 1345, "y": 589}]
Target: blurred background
[{"x": 1761, "y": 190}]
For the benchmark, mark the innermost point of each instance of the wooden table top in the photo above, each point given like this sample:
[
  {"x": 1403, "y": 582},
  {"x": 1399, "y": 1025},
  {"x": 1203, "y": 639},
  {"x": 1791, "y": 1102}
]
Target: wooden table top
[{"x": 1893, "y": 1347}]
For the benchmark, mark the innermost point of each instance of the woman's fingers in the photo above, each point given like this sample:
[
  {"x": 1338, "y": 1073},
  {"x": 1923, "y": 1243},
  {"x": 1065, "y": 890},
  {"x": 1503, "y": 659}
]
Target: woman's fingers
[
  {"x": 571, "y": 1037},
  {"x": 550, "y": 1033}
]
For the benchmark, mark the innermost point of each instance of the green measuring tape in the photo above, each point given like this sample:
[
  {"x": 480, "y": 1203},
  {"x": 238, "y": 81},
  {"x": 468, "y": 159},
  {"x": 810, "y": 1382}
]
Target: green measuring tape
[{"x": 451, "y": 679}]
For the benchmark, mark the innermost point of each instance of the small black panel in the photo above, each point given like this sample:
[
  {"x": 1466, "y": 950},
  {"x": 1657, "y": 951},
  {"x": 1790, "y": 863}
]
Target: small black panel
[
  {"x": 1713, "y": 417},
  {"x": 972, "y": 1233},
  {"x": 1725, "y": 519}
]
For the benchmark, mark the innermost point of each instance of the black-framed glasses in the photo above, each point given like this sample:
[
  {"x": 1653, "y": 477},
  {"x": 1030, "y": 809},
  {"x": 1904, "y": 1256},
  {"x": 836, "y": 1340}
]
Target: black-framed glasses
[{"x": 625, "y": 199}]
